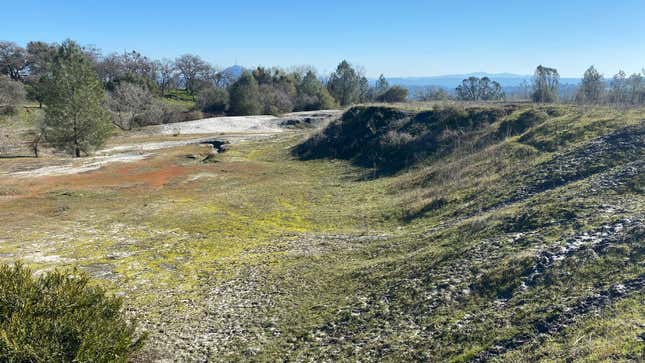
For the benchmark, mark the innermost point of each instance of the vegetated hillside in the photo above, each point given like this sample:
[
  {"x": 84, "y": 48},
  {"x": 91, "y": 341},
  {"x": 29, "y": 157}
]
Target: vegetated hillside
[
  {"x": 525, "y": 236},
  {"x": 391, "y": 139}
]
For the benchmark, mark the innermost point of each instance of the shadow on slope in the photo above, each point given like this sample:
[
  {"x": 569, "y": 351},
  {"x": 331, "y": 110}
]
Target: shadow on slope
[{"x": 390, "y": 140}]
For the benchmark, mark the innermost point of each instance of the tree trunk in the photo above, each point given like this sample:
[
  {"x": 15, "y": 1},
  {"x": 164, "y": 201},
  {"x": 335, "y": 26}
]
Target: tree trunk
[
  {"x": 34, "y": 145},
  {"x": 77, "y": 151}
]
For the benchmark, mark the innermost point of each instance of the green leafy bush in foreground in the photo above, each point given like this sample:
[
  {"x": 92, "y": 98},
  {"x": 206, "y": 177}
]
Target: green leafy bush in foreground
[{"x": 60, "y": 317}]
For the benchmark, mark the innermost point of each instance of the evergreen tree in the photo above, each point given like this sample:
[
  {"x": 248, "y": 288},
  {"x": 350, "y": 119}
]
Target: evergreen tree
[
  {"x": 619, "y": 93},
  {"x": 635, "y": 89},
  {"x": 364, "y": 90},
  {"x": 244, "y": 96},
  {"x": 308, "y": 91},
  {"x": 312, "y": 95},
  {"x": 345, "y": 84},
  {"x": 592, "y": 87},
  {"x": 75, "y": 119},
  {"x": 381, "y": 85}
]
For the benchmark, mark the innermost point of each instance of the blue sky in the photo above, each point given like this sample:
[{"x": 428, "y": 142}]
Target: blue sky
[{"x": 397, "y": 38}]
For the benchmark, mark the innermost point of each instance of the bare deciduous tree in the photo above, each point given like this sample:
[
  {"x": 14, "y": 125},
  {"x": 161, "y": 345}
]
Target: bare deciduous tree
[
  {"x": 192, "y": 68},
  {"x": 126, "y": 102},
  {"x": 13, "y": 60},
  {"x": 166, "y": 75}
]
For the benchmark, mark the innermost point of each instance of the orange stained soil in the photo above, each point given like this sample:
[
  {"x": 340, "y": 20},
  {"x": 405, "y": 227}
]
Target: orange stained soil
[{"x": 146, "y": 174}]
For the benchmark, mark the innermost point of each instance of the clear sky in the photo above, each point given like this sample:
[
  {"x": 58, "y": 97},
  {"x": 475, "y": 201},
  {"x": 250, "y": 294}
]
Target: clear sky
[{"x": 395, "y": 37}]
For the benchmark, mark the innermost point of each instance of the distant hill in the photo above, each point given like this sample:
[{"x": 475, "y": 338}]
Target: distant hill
[{"x": 233, "y": 72}]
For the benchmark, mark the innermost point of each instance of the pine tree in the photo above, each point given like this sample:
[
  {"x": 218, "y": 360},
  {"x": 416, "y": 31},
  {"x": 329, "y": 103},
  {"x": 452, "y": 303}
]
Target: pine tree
[
  {"x": 346, "y": 85},
  {"x": 75, "y": 119},
  {"x": 381, "y": 86}
]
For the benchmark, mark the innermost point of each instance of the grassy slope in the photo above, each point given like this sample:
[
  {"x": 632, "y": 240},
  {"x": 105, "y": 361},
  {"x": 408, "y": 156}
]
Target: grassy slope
[
  {"x": 324, "y": 262},
  {"x": 456, "y": 284}
]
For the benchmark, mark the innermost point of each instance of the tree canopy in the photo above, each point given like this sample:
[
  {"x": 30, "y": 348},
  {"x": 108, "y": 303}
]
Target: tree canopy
[
  {"x": 346, "y": 85},
  {"x": 591, "y": 88},
  {"x": 479, "y": 89}
]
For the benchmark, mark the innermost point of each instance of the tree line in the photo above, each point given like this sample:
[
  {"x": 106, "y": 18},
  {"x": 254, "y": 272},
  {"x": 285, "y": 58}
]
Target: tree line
[
  {"x": 84, "y": 91},
  {"x": 593, "y": 89},
  {"x": 133, "y": 80},
  {"x": 545, "y": 87}
]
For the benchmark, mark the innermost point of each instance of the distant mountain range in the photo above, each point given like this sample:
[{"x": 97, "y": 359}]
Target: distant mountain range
[
  {"x": 509, "y": 81},
  {"x": 506, "y": 80}
]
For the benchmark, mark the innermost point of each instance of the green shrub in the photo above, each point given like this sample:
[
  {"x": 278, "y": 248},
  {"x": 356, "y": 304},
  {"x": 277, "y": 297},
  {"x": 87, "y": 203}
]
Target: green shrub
[{"x": 60, "y": 317}]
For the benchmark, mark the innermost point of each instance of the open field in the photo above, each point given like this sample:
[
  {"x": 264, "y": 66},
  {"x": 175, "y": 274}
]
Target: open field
[{"x": 524, "y": 241}]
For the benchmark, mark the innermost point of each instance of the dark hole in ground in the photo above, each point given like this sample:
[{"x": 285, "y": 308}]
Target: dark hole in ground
[{"x": 218, "y": 145}]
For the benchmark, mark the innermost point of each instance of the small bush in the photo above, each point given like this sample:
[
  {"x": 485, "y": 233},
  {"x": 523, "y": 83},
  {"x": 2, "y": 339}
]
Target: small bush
[
  {"x": 174, "y": 115},
  {"x": 12, "y": 93},
  {"x": 153, "y": 114},
  {"x": 60, "y": 317},
  {"x": 213, "y": 100},
  {"x": 394, "y": 94}
]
